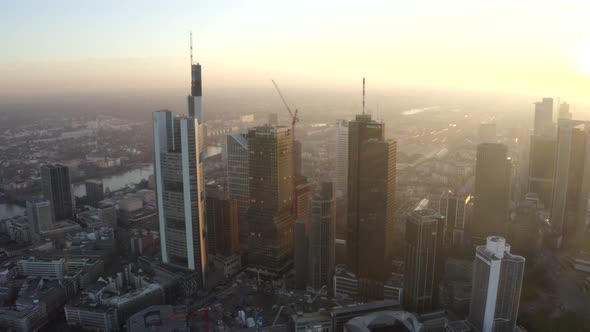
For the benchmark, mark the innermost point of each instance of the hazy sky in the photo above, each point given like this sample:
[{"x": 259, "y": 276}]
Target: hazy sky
[{"x": 535, "y": 47}]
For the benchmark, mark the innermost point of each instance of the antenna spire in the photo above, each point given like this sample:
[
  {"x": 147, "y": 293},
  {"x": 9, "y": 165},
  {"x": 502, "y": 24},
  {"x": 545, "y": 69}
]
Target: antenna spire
[
  {"x": 363, "y": 95},
  {"x": 192, "y": 48}
]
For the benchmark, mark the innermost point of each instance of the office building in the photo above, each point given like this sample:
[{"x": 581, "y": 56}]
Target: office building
[
  {"x": 39, "y": 215},
  {"x": 315, "y": 321},
  {"x": 487, "y": 133},
  {"x": 94, "y": 192},
  {"x": 178, "y": 173},
  {"x": 342, "y": 158},
  {"x": 544, "y": 118},
  {"x": 270, "y": 223},
  {"x": 162, "y": 318},
  {"x": 543, "y": 153},
  {"x": 301, "y": 254},
  {"x": 223, "y": 239},
  {"x": 237, "y": 180},
  {"x": 371, "y": 190},
  {"x": 322, "y": 238},
  {"x": 303, "y": 191},
  {"x": 456, "y": 210},
  {"x": 496, "y": 287},
  {"x": 424, "y": 261},
  {"x": 195, "y": 99},
  {"x": 571, "y": 181},
  {"x": 57, "y": 188},
  {"x": 492, "y": 191}
]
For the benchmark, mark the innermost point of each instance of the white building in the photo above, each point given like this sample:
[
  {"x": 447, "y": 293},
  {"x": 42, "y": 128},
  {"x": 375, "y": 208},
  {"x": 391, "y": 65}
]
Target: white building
[{"x": 496, "y": 287}]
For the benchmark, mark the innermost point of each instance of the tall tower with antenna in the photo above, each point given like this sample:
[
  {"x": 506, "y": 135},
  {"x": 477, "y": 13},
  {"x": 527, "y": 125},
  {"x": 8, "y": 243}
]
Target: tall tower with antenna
[{"x": 195, "y": 107}]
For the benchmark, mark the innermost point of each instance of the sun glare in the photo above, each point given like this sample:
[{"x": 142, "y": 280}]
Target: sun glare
[{"x": 583, "y": 55}]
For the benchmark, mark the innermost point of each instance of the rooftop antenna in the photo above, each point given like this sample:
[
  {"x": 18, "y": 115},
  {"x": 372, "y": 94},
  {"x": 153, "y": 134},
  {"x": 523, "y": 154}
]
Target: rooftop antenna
[
  {"x": 363, "y": 96},
  {"x": 192, "y": 48}
]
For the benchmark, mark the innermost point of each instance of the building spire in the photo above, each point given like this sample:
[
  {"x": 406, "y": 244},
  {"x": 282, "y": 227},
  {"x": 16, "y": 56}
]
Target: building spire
[
  {"x": 363, "y": 95},
  {"x": 192, "y": 48}
]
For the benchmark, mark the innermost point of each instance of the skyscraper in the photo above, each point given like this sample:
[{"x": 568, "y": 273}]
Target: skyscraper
[
  {"x": 39, "y": 215},
  {"x": 571, "y": 181},
  {"x": 178, "y": 173},
  {"x": 424, "y": 260},
  {"x": 195, "y": 99},
  {"x": 542, "y": 167},
  {"x": 371, "y": 190},
  {"x": 492, "y": 191},
  {"x": 94, "y": 192},
  {"x": 487, "y": 133},
  {"x": 496, "y": 287},
  {"x": 564, "y": 111},
  {"x": 237, "y": 175},
  {"x": 322, "y": 234},
  {"x": 269, "y": 216},
  {"x": 301, "y": 254},
  {"x": 342, "y": 158},
  {"x": 455, "y": 209},
  {"x": 544, "y": 117},
  {"x": 57, "y": 188}
]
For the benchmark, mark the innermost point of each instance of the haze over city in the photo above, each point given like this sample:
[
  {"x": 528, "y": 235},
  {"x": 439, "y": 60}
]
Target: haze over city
[{"x": 327, "y": 166}]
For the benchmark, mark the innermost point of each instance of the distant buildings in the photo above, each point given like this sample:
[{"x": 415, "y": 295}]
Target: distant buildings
[
  {"x": 542, "y": 156},
  {"x": 543, "y": 125},
  {"x": 301, "y": 256},
  {"x": 564, "y": 111},
  {"x": 164, "y": 318},
  {"x": 322, "y": 236},
  {"x": 237, "y": 178},
  {"x": 424, "y": 261},
  {"x": 371, "y": 190},
  {"x": 497, "y": 283},
  {"x": 492, "y": 191},
  {"x": 270, "y": 222},
  {"x": 180, "y": 191},
  {"x": 57, "y": 188},
  {"x": 94, "y": 192},
  {"x": 39, "y": 215}
]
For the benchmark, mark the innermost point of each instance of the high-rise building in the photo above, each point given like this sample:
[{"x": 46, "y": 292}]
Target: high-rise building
[
  {"x": 371, "y": 190},
  {"x": 224, "y": 216},
  {"x": 492, "y": 191},
  {"x": 301, "y": 254},
  {"x": 94, "y": 192},
  {"x": 237, "y": 175},
  {"x": 496, "y": 287},
  {"x": 303, "y": 191},
  {"x": 542, "y": 167},
  {"x": 322, "y": 236},
  {"x": 564, "y": 111},
  {"x": 270, "y": 223},
  {"x": 424, "y": 261},
  {"x": 195, "y": 100},
  {"x": 178, "y": 173},
  {"x": 57, "y": 188},
  {"x": 544, "y": 117},
  {"x": 455, "y": 209},
  {"x": 571, "y": 181},
  {"x": 39, "y": 215},
  {"x": 487, "y": 133},
  {"x": 342, "y": 158}
]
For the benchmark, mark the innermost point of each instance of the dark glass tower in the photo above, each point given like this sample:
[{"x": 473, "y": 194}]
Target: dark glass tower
[
  {"x": 492, "y": 191},
  {"x": 371, "y": 190},
  {"x": 269, "y": 216},
  {"x": 57, "y": 188},
  {"x": 424, "y": 260}
]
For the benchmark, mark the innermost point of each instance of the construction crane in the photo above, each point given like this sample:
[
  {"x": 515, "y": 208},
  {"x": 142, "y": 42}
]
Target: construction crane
[{"x": 294, "y": 120}]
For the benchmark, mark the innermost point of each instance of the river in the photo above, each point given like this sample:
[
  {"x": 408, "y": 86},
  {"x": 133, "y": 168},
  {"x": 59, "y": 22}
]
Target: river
[{"x": 9, "y": 210}]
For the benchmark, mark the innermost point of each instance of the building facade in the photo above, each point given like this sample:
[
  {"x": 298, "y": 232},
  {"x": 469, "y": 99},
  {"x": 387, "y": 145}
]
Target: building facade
[
  {"x": 236, "y": 153},
  {"x": 94, "y": 192},
  {"x": 39, "y": 215},
  {"x": 322, "y": 236},
  {"x": 371, "y": 190},
  {"x": 496, "y": 287},
  {"x": 178, "y": 173},
  {"x": 57, "y": 188},
  {"x": 270, "y": 223},
  {"x": 424, "y": 261},
  {"x": 492, "y": 191}
]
